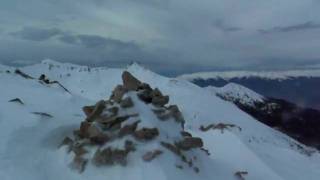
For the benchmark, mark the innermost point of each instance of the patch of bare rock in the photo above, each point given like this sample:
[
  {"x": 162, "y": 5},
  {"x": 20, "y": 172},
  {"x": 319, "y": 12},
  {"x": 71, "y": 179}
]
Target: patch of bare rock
[{"x": 116, "y": 120}]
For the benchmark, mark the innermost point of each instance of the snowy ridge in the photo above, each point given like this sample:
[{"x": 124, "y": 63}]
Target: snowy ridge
[
  {"x": 29, "y": 141},
  {"x": 226, "y": 75},
  {"x": 235, "y": 92}
]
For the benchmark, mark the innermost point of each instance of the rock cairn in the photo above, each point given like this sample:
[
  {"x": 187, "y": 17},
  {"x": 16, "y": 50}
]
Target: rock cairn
[{"x": 117, "y": 121}]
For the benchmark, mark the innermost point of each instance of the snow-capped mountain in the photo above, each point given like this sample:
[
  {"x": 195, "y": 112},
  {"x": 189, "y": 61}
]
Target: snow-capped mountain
[
  {"x": 298, "y": 86},
  {"x": 300, "y": 123},
  {"x": 36, "y": 115},
  {"x": 237, "y": 93},
  {"x": 271, "y": 75}
]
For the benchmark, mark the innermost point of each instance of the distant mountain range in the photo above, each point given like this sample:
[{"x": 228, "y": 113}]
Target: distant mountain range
[
  {"x": 298, "y": 86},
  {"x": 302, "y": 124}
]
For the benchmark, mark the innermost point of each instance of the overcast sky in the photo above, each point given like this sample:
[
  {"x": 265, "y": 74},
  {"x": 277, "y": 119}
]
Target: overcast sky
[{"x": 167, "y": 35}]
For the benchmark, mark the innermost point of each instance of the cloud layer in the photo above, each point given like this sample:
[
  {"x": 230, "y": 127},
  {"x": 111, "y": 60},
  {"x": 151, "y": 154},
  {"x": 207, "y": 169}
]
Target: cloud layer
[{"x": 167, "y": 35}]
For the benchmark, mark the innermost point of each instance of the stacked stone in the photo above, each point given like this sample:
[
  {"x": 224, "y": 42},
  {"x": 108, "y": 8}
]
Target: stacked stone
[{"x": 105, "y": 123}]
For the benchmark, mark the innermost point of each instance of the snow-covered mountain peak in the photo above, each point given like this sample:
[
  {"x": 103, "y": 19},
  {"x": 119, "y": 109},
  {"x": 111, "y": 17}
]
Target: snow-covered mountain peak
[{"x": 236, "y": 92}]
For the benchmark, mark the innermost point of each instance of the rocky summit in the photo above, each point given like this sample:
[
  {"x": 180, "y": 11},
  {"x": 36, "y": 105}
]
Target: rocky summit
[{"x": 116, "y": 128}]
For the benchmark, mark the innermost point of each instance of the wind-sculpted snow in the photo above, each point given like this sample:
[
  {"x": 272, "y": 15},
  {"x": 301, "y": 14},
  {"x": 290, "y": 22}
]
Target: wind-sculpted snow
[{"x": 29, "y": 142}]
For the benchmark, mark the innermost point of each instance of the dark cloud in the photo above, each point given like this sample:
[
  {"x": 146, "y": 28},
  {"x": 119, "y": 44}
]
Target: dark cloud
[
  {"x": 169, "y": 35},
  {"x": 98, "y": 42},
  {"x": 297, "y": 27},
  {"x": 37, "y": 34},
  {"x": 219, "y": 24},
  {"x": 85, "y": 40},
  {"x": 68, "y": 39},
  {"x": 95, "y": 41}
]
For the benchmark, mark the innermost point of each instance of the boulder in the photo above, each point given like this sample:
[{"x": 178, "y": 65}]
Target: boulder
[
  {"x": 162, "y": 114},
  {"x": 96, "y": 135},
  {"x": 88, "y": 110},
  {"x": 189, "y": 143},
  {"x": 158, "y": 99},
  {"x": 145, "y": 95},
  {"x": 113, "y": 123},
  {"x": 110, "y": 156},
  {"x": 146, "y": 133},
  {"x": 149, "y": 156},
  {"x": 83, "y": 132},
  {"x": 98, "y": 109},
  {"x": 118, "y": 93},
  {"x": 130, "y": 82},
  {"x": 128, "y": 129},
  {"x": 176, "y": 114}
]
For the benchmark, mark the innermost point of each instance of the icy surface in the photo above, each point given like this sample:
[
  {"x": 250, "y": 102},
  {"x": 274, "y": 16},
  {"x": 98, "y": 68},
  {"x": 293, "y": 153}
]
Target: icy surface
[{"x": 29, "y": 142}]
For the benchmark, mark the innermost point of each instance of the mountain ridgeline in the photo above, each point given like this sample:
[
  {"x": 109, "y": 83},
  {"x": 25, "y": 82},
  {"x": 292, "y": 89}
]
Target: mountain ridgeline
[
  {"x": 302, "y": 124},
  {"x": 299, "y": 87}
]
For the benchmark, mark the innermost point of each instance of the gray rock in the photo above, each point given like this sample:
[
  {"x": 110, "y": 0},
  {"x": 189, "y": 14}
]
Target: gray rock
[
  {"x": 128, "y": 129},
  {"x": 146, "y": 133},
  {"x": 130, "y": 82},
  {"x": 176, "y": 114},
  {"x": 149, "y": 156},
  {"x": 189, "y": 143},
  {"x": 83, "y": 131},
  {"x": 145, "y": 95},
  {"x": 109, "y": 156},
  {"x": 88, "y": 110},
  {"x": 98, "y": 109},
  {"x": 158, "y": 99},
  {"x": 96, "y": 135},
  {"x": 144, "y": 86},
  {"x": 118, "y": 93}
]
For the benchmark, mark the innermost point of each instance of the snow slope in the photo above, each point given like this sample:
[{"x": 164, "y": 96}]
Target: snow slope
[
  {"x": 272, "y": 75},
  {"x": 28, "y": 146}
]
